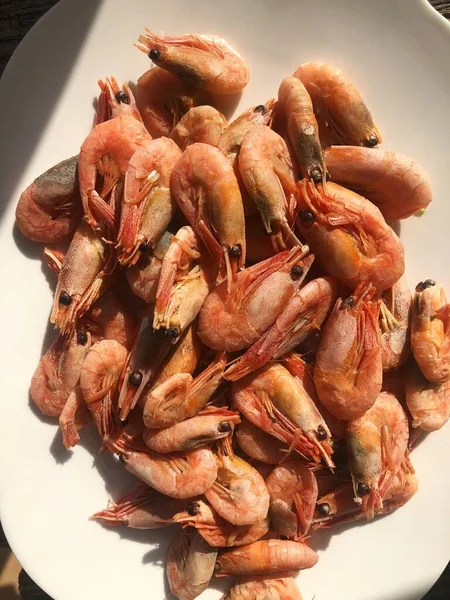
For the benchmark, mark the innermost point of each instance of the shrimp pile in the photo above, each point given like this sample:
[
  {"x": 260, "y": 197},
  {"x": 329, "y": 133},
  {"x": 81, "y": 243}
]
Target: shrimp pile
[{"x": 233, "y": 316}]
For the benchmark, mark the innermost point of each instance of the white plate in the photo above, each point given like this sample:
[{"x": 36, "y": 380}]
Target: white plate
[{"x": 397, "y": 53}]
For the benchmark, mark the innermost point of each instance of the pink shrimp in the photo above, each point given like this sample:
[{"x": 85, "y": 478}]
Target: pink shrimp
[
  {"x": 263, "y": 587},
  {"x": 203, "y": 124},
  {"x": 259, "y": 445},
  {"x": 395, "y": 316},
  {"x": 110, "y": 319},
  {"x": 428, "y": 403}
]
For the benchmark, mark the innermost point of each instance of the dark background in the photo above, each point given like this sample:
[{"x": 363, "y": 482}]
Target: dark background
[{"x": 16, "y": 18}]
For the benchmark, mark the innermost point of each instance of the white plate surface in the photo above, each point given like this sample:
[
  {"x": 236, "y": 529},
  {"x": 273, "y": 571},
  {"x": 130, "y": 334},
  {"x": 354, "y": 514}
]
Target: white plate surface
[{"x": 397, "y": 53}]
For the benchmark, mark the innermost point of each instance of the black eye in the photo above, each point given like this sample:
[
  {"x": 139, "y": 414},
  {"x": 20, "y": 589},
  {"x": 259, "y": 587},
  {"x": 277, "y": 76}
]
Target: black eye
[
  {"x": 428, "y": 283},
  {"x": 135, "y": 378},
  {"x": 321, "y": 434},
  {"x": 306, "y": 216},
  {"x": 172, "y": 332},
  {"x": 362, "y": 489},
  {"x": 316, "y": 175},
  {"x": 372, "y": 140},
  {"x": 349, "y": 302},
  {"x": 260, "y": 108},
  {"x": 122, "y": 97},
  {"x": 296, "y": 271},
  {"x": 224, "y": 427},
  {"x": 144, "y": 247},
  {"x": 235, "y": 251},
  {"x": 82, "y": 338},
  {"x": 65, "y": 298},
  {"x": 324, "y": 509},
  {"x": 192, "y": 509},
  {"x": 419, "y": 287},
  {"x": 154, "y": 54}
]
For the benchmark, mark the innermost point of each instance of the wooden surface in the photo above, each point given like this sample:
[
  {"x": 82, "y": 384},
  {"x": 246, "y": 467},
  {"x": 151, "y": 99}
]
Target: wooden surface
[{"x": 16, "y": 18}]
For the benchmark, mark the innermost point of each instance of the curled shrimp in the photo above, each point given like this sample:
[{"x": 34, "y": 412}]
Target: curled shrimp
[
  {"x": 396, "y": 183},
  {"x": 306, "y": 310},
  {"x": 203, "y": 124},
  {"x": 301, "y": 125},
  {"x": 201, "y": 61},
  {"x": 147, "y": 206},
  {"x": 162, "y": 99},
  {"x": 213, "y": 424},
  {"x": 349, "y": 236},
  {"x": 141, "y": 508},
  {"x": 348, "y": 372},
  {"x": 239, "y": 493},
  {"x": 217, "y": 531},
  {"x": 278, "y": 403},
  {"x": 74, "y": 416},
  {"x": 107, "y": 151},
  {"x": 234, "y": 320},
  {"x": 189, "y": 565},
  {"x": 339, "y": 105},
  {"x": 254, "y": 588},
  {"x": 377, "y": 442},
  {"x": 181, "y": 396},
  {"x": 266, "y": 557},
  {"x": 266, "y": 170},
  {"x": 205, "y": 187},
  {"x": 395, "y": 314},
  {"x": 178, "y": 475},
  {"x": 99, "y": 380},
  {"x": 430, "y": 331},
  {"x": 49, "y": 210},
  {"x": 143, "y": 276},
  {"x": 428, "y": 403},
  {"x": 259, "y": 445},
  {"x": 84, "y": 271}
]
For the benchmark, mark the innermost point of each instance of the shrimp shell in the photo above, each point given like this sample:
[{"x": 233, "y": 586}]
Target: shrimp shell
[
  {"x": 264, "y": 588},
  {"x": 203, "y": 124},
  {"x": 395, "y": 316},
  {"x": 428, "y": 403}
]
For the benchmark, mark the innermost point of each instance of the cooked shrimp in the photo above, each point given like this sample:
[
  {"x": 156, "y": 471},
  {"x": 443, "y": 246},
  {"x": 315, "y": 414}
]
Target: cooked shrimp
[
  {"x": 349, "y": 236},
  {"x": 205, "y": 187},
  {"x": 293, "y": 495},
  {"x": 259, "y": 445},
  {"x": 110, "y": 319},
  {"x": 178, "y": 475},
  {"x": 49, "y": 210},
  {"x": 74, "y": 416},
  {"x": 262, "y": 588},
  {"x": 217, "y": 531},
  {"x": 143, "y": 276},
  {"x": 201, "y": 61},
  {"x": 396, "y": 183},
  {"x": 84, "y": 271},
  {"x": 266, "y": 170},
  {"x": 99, "y": 379},
  {"x": 234, "y": 320},
  {"x": 430, "y": 331},
  {"x": 107, "y": 151},
  {"x": 428, "y": 403},
  {"x": 278, "y": 403},
  {"x": 189, "y": 565},
  {"x": 58, "y": 373},
  {"x": 301, "y": 125},
  {"x": 162, "y": 99},
  {"x": 147, "y": 207},
  {"x": 395, "y": 315},
  {"x": 339, "y": 105},
  {"x": 377, "y": 442},
  {"x": 120, "y": 101},
  {"x": 213, "y": 424},
  {"x": 348, "y": 372},
  {"x": 266, "y": 557},
  {"x": 203, "y": 124},
  {"x": 181, "y": 396},
  {"x": 141, "y": 508},
  {"x": 306, "y": 310},
  {"x": 239, "y": 493}
]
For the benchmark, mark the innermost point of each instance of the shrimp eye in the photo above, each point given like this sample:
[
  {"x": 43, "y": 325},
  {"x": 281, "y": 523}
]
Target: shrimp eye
[
  {"x": 362, "y": 489},
  {"x": 316, "y": 175},
  {"x": 372, "y": 140},
  {"x": 296, "y": 271},
  {"x": 324, "y": 509},
  {"x": 154, "y": 54},
  {"x": 135, "y": 378},
  {"x": 144, "y": 247},
  {"x": 284, "y": 537},
  {"x": 172, "y": 332},
  {"x": 65, "y": 298},
  {"x": 217, "y": 568},
  {"x": 82, "y": 338},
  {"x": 224, "y": 427},
  {"x": 306, "y": 216},
  {"x": 419, "y": 287},
  {"x": 192, "y": 509},
  {"x": 260, "y": 108},
  {"x": 122, "y": 97},
  {"x": 235, "y": 251},
  {"x": 321, "y": 434},
  {"x": 122, "y": 458},
  {"x": 349, "y": 302},
  {"x": 428, "y": 283}
]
